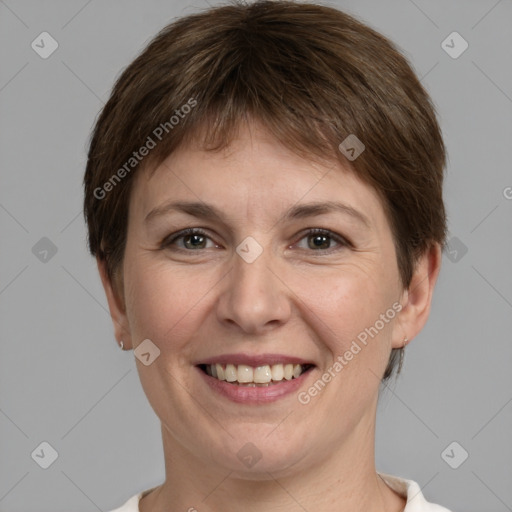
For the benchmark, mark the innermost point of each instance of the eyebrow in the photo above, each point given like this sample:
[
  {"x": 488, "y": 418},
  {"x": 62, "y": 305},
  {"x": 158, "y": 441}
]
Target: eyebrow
[{"x": 300, "y": 211}]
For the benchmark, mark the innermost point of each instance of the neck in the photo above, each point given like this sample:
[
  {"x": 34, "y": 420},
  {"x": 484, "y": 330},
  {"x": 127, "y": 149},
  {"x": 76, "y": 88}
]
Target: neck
[{"x": 342, "y": 480}]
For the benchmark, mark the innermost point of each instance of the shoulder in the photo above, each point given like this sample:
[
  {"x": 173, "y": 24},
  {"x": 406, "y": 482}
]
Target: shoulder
[
  {"x": 132, "y": 505},
  {"x": 409, "y": 489}
]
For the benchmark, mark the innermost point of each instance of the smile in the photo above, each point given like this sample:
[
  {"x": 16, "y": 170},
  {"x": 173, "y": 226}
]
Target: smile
[
  {"x": 254, "y": 385},
  {"x": 259, "y": 376}
]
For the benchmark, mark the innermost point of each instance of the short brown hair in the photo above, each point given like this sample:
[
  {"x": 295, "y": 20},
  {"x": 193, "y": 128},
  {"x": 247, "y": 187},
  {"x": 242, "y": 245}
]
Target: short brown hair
[{"x": 312, "y": 74}]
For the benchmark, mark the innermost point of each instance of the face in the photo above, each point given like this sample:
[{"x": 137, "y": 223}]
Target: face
[{"x": 255, "y": 287}]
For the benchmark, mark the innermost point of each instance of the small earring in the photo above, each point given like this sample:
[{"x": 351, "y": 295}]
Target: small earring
[{"x": 121, "y": 344}]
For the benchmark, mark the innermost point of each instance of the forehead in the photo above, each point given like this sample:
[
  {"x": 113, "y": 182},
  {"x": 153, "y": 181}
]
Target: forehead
[{"x": 253, "y": 175}]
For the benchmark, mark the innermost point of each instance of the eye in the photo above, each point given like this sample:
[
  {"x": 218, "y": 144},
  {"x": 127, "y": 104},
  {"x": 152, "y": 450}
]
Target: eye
[
  {"x": 193, "y": 239},
  {"x": 320, "y": 239}
]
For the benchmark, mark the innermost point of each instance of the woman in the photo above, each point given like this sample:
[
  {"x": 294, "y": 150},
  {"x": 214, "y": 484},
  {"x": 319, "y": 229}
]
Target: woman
[{"x": 263, "y": 195}]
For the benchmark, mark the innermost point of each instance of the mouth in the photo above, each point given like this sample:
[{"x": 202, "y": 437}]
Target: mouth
[{"x": 264, "y": 375}]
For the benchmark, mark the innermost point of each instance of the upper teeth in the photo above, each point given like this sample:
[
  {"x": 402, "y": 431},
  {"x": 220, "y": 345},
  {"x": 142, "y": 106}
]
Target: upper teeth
[{"x": 259, "y": 375}]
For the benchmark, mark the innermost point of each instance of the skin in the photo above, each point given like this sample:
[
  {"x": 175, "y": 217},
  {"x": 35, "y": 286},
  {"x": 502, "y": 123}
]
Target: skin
[{"x": 294, "y": 299}]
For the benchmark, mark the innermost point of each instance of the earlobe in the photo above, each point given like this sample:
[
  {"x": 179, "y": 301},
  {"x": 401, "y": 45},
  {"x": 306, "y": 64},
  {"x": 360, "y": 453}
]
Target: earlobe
[
  {"x": 116, "y": 307},
  {"x": 417, "y": 299}
]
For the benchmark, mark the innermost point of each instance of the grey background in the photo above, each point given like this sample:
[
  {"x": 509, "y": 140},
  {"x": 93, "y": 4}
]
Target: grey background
[{"x": 63, "y": 379}]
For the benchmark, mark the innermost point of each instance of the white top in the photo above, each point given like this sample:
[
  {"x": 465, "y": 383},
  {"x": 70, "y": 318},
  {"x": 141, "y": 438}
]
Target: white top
[{"x": 406, "y": 488}]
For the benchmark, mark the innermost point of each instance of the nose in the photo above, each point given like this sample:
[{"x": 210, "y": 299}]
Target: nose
[{"x": 254, "y": 296}]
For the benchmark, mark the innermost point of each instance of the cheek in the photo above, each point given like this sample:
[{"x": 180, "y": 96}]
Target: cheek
[
  {"x": 346, "y": 306},
  {"x": 164, "y": 303}
]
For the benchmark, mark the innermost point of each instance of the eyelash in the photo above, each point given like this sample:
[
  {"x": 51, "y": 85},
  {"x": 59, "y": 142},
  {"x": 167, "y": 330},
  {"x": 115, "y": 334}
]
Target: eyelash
[{"x": 167, "y": 242}]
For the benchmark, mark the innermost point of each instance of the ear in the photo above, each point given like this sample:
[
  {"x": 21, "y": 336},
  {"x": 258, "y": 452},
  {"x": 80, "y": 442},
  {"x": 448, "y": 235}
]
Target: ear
[
  {"x": 416, "y": 300},
  {"x": 116, "y": 306}
]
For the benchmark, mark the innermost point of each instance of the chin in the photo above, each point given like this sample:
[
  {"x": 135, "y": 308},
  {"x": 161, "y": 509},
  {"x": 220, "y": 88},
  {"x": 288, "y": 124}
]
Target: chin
[{"x": 252, "y": 453}]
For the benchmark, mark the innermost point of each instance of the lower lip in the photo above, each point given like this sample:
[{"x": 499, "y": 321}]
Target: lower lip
[{"x": 257, "y": 394}]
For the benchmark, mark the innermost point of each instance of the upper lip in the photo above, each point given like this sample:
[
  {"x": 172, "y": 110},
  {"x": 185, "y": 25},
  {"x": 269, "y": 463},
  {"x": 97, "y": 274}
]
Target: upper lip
[{"x": 254, "y": 360}]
